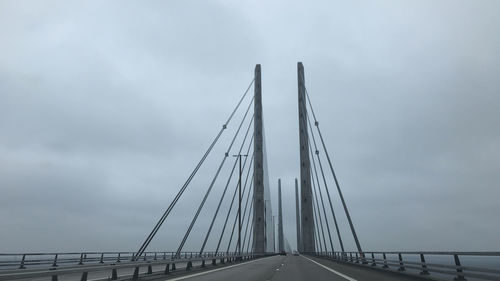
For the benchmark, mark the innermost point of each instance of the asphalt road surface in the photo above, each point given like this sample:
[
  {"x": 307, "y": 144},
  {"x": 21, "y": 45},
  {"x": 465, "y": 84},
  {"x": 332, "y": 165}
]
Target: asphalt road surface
[
  {"x": 290, "y": 268},
  {"x": 274, "y": 268}
]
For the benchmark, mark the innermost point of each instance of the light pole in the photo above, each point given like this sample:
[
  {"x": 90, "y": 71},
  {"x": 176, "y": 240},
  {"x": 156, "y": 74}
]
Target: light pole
[{"x": 239, "y": 204}]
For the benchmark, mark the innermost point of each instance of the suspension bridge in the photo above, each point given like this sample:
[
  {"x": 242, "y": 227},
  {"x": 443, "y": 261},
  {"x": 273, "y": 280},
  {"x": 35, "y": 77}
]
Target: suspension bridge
[{"x": 239, "y": 242}]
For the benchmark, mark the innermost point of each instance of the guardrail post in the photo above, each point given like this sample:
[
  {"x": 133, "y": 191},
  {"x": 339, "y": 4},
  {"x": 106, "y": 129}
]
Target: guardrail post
[
  {"x": 102, "y": 258},
  {"x": 136, "y": 273},
  {"x": 54, "y": 278},
  {"x": 401, "y": 264},
  {"x": 22, "y": 262},
  {"x": 164, "y": 255},
  {"x": 222, "y": 261},
  {"x": 357, "y": 258},
  {"x": 145, "y": 254},
  {"x": 460, "y": 273},
  {"x": 81, "y": 259},
  {"x": 54, "y": 264},
  {"x": 363, "y": 258},
  {"x": 119, "y": 257},
  {"x": 189, "y": 266},
  {"x": 84, "y": 276},
  {"x": 167, "y": 269},
  {"x": 385, "y": 261},
  {"x": 155, "y": 256},
  {"x": 424, "y": 266},
  {"x": 114, "y": 274},
  {"x": 214, "y": 261},
  {"x": 203, "y": 263},
  {"x": 150, "y": 269},
  {"x": 374, "y": 263},
  {"x": 173, "y": 266}
]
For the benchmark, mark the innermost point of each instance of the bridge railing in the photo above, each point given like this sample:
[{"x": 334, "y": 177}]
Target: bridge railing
[
  {"x": 34, "y": 265},
  {"x": 441, "y": 265},
  {"x": 40, "y": 260}
]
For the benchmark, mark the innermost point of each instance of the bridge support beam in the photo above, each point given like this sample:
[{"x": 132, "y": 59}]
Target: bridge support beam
[
  {"x": 281, "y": 242},
  {"x": 84, "y": 276},
  {"x": 167, "y": 269},
  {"x": 259, "y": 220},
  {"x": 306, "y": 211},
  {"x": 136, "y": 273}
]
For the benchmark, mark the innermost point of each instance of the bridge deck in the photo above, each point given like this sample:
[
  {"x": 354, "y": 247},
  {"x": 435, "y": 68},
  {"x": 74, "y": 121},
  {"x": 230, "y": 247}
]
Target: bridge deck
[
  {"x": 289, "y": 268},
  {"x": 274, "y": 268}
]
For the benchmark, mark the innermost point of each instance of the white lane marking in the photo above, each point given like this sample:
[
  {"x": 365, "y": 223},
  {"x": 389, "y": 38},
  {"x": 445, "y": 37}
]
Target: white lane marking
[
  {"x": 331, "y": 270},
  {"x": 214, "y": 270}
]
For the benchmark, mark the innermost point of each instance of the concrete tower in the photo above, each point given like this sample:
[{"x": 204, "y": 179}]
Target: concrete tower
[
  {"x": 281, "y": 242},
  {"x": 297, "y": 216},
  {"x": 259, "y": 230},
  {"x": 306, "y": 211}
]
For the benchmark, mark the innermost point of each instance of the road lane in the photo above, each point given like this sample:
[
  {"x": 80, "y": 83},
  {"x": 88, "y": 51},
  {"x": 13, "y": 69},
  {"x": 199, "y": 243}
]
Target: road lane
[
  {"x": 292, "y": 268},
  {"x": 276, "y": 268},
  {"x": 362, "y": 273},
  {"x": 331, "y": 270}
]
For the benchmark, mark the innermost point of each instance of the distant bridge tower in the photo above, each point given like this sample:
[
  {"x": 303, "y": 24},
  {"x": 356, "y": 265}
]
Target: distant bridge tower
[
  {"x": 259, "y": 230},
  {"x": 306, "y": 211},
  {"x": 297, "y": 216},
  {"x": 281, "y": 242}
]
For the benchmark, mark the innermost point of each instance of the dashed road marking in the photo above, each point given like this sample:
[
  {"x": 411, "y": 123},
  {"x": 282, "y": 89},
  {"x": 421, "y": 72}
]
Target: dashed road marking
[{"x": 214, "y": 270}]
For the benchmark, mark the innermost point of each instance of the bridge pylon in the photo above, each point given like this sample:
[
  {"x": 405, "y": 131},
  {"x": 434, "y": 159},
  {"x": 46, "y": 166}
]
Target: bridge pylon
[
  {"x": 259, "y": 220},
  {"x": 306, "y": 210},
  {"x": 281, "y": 242},
  {"x": 297, "y": 216}
]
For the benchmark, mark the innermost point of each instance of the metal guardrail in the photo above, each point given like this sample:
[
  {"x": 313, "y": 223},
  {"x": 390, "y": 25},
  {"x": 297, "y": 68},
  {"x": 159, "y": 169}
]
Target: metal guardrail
[
  {"x": 31, "y": 265},
  {"x": 416, "y": 263}
]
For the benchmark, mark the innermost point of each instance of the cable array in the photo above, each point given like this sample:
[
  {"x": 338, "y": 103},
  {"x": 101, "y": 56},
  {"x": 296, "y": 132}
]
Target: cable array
[
  {"x": 246, "y": 118},
  {"x": 319, "y": 208}
]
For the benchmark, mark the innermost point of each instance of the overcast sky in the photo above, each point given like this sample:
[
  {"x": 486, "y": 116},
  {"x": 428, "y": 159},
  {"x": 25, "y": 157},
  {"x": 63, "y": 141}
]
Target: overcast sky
[{"x": 106, "y": 106}]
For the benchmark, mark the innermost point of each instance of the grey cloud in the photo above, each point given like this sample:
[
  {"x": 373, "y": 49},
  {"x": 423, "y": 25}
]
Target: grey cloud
[{"x": 105, "y": 108}]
